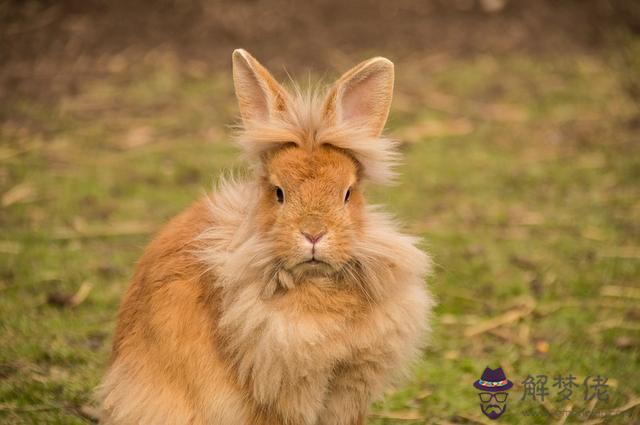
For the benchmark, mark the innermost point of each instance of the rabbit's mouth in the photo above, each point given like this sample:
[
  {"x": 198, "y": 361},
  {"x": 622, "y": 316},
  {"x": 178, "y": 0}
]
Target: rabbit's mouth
[
  {"x": 314, "y": 265},
  {"x": 315, "y": 262}
]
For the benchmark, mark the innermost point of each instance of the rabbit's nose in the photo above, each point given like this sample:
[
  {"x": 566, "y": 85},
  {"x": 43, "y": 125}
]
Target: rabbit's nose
[{"x": 314, "y": 237}]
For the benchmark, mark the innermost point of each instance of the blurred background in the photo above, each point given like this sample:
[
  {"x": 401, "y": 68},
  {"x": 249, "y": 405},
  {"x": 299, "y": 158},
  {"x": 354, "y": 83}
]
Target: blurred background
[{"x": 519, "y": 122}]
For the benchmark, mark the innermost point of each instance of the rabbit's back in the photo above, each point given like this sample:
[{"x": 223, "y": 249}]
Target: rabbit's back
[{"x": 163, "y": 332}]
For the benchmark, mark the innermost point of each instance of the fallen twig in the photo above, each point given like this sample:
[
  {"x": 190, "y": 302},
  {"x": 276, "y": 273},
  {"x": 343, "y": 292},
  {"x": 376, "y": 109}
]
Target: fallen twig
[
  {"x": 500, "y": 333},
  {"x": 549, "y": 408},
  {"x": 67, "y": 300},
  {"x": 630, "y": 252},
  {"x": 399, "y": 415},
  {"x": 590, "y": 406},
  {"x": 615, "y": 323},
  {"x": 122, "y": 229},
  {"x": 545, "y": 310},
  {"x": 629, "y": 405},
  {"x": 28, "y": 408},
  {"x": 81, "y": 294},
  {"x": 566, "y": 412},
  {"x": 620, "y": 291},
  {"x": 592, "y": 422},
  {"x": 501, "y": 320},
  {"x": 473, "y": 419}
]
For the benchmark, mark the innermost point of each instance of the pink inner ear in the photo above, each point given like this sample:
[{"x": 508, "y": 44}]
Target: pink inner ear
[
  {"x": 251, "y": 98},
  {"x": 359, "y": 101},
  {"x": 258, "y": 93},
  {"x": 366, "y": 96}
]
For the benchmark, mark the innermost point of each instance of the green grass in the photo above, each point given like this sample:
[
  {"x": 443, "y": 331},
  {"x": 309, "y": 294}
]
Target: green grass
[{"x": 522, "y": 174}]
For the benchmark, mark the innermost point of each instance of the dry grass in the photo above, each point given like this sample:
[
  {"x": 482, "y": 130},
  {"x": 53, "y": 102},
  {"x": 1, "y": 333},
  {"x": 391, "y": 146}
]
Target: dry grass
[{"x": 521, "y": 173}]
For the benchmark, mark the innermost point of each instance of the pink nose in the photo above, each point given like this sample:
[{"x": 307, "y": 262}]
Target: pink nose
[{"x": 313, "y": 238}]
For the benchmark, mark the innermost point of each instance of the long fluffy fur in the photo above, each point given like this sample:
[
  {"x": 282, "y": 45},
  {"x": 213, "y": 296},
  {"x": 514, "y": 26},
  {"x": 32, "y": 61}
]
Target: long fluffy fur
[
  {"x": 204, "y": 336},
  {"x": 306, "y": 125}
]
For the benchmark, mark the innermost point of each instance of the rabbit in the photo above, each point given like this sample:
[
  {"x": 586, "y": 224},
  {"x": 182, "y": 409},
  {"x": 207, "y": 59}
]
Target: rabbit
[{"x": 284, "y": 299}]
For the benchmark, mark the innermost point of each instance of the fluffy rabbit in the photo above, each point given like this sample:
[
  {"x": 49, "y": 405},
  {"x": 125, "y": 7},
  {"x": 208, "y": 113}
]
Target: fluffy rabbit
[{"x": 285, "y": 299}]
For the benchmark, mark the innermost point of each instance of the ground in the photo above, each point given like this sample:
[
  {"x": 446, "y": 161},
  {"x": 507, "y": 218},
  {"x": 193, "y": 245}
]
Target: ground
[{"x": 521, "y": 173}]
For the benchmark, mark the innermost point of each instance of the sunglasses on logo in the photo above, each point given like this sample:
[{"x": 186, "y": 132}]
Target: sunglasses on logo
[{"x": 499, "y": 397}]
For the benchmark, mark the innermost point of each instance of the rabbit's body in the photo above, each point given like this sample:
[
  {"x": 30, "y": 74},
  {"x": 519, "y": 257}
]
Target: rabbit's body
[{"x": 229, "y": 322}]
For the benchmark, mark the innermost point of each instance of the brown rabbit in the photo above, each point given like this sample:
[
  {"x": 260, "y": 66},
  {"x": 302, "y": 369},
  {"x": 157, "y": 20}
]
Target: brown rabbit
[{"x": 285, "y": 299}]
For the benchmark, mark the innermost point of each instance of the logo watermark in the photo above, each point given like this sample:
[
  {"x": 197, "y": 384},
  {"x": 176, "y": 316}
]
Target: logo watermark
[{"x": 493, "y": 387}]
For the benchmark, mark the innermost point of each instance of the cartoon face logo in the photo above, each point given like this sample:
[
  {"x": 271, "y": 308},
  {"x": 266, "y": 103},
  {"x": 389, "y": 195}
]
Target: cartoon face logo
[{"x": 493, "y": 386}]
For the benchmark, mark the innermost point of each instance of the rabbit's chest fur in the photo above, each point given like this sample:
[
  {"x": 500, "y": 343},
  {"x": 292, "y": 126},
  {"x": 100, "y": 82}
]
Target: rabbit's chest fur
[
  {"x": 301, "y": 345},
  {"x": 303, "y": 339}
]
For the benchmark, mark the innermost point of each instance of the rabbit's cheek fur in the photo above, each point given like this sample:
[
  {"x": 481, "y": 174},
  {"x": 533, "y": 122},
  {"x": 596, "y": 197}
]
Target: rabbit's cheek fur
[
  {"x": 314, "y": 183},
  {"x": 332, "y": 248}
]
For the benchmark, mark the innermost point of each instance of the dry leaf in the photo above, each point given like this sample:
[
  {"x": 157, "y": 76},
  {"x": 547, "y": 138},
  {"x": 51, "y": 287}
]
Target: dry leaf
[
  {"x": 423, "y": 394},
  {"x": 624, "y": 342},
  {"x": 20, "y": 193},
  {"x": 448, "y": 128},
  {"x": 542, "y": 347},
  {"x": 452, "y": 355},
  {"x": 136, "y": 137},
  {"x": 10, "y": 247},
  {"x": 493, "y": 6},
  {"x": 70, "y": 300},
  {"x": 90, "y": 412}
]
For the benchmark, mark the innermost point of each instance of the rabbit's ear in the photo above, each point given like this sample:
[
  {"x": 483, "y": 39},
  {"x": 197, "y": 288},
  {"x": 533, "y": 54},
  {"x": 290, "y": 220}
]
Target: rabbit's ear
[
  {"x": 363, "y": 95},
  {"x": 259, "y": 95}
]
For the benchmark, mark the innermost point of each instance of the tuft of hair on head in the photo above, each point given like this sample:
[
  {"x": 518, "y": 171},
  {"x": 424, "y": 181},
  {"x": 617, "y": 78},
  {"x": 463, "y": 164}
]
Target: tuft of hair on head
[{"x": 349, "y": 115}]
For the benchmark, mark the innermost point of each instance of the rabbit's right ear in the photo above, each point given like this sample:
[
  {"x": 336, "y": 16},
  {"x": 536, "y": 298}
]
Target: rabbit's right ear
[
  {"x": 260, "y": 96},
  {"x": 362, "y": 95}
]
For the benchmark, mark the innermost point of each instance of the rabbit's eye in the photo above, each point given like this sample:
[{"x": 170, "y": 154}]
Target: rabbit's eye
[
  {"x": 347, "y": 195},
  {"x": 279, "y": 195}
]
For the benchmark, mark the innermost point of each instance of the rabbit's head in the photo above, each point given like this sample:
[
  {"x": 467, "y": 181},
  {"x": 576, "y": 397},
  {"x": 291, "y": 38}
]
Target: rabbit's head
[{"x": 310, "y": 153}]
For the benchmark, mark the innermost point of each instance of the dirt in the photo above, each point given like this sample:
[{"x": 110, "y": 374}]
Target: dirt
[{"x": 50, "y": 47}]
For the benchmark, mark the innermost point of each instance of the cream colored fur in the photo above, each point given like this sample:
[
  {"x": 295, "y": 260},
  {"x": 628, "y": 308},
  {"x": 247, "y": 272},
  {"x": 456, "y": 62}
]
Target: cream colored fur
[{"x": 220, "y": 326}]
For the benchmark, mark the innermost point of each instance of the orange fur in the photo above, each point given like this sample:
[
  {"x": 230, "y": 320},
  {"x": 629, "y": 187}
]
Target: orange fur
[{"x": 234, "y": 316}]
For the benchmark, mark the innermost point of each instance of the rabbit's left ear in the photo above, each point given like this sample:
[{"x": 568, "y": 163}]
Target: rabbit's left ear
[{"x": 362, "y": 96}]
